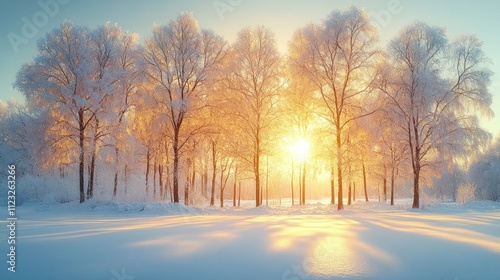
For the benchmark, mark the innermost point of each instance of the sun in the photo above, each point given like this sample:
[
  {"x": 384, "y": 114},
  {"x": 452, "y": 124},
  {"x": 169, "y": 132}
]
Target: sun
[{"x": 300, "y": 149}]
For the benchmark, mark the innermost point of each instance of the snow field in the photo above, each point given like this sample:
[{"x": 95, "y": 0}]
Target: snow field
[{"x": 164, "y": 241}]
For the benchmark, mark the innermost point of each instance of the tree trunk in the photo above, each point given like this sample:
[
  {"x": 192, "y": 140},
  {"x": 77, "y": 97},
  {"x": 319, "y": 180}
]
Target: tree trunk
[
  {"x": 168, "y": 180},
  {"x": 300, "y": 184},
  {"x": 332, "y": 184},
  {"x": 239, "y": 193},
  {"x": 187, "y": 184},
  {"x": 258, "y": 201},
  {"x": 205, "y": 179},
  {"x": 256, "y": 167},
  {"x": 340, "y": 204},
  {"x": 88, "y": 182},
  {"x": 349, "y": 193},
  {"x": 169, "y": 185},
  {"x": 221, "y": 197},
  {"x": 175, "y": 147},
  {"x": 304, "y": 182},
  {"x": 115, "y": 184},
  {"x": 193, "y": 179},
  {"x": 214, "y": 170},
  {"x": 416, "y": 197},
  {"x": 261, "y": 194},
  {"x": 364, "y": 183},
  {"x": 222, "y": 185},
  {"x": 354, "y": 191},
  {"x": 90, "y": 189},
  {"x": 186, "y": 193},
  {"x": 148, "y": 158},
  {"x": 267, "y": 181},
  {"x": 82, "y": 155},
  {"x": 349, "y": 188},
  {"x": 160, "y": 175},
  {"x": 392, "y": 186},
  {"x": 223, "y": 180},
  {"x": 293, "y": 198},
  {"x": 385, "y": 189},
  {"x": 155, "y": 169},
  {"x": 234, "y": 186},
  {"x": 415, "y": 164},
  {"x": 115, "y": 181},
  {"x": 125, "y": 177}
]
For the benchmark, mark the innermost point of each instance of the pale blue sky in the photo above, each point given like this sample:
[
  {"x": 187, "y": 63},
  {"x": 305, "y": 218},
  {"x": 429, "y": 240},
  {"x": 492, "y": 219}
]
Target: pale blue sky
[{"x": 283, "y": 17}]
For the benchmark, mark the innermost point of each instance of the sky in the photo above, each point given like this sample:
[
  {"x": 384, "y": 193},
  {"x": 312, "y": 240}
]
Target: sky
[{"x": 23, "y": 22}]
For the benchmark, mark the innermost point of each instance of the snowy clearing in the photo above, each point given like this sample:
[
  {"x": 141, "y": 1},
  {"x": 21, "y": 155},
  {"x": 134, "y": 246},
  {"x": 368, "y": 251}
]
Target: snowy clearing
[{"x": 155, "y": 241}]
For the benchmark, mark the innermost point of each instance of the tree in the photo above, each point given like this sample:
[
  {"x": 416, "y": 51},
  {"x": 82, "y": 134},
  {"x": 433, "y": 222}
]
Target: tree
[
  {"x": 391, "y": 148},
  {"x": 254, "y": 78},
  {"x": 436, "y": 91},
  {"x": 22, "y": 138},
  {"x": 299, "y": 122},
  {"x": 62, "y": 78},
  {"x": 338, "y": 57},
  {"x": 126, "y": 68},
  {"x": 179, "y": 59},
  {"x": 484, "y": 173},
  {"x": 77, "y": 75},
  {"x": 115, "y": 76}
]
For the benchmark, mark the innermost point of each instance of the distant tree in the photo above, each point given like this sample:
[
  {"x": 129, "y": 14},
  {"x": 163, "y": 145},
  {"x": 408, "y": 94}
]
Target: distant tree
[
  {"x": 300, "y": 119},
  {"x": 115, "y": 77},
  {"x": 127, "y": 70},
  {"x": 179, "y": 59},
  {"x": 392, "y": 149},
  {"x": 484, "y": 173},
  {"x": 22, "y": 140},
  {"x": 254, "y": 78},
  {"x": 436, "y": 91},
  {"x": 149, "y": 125},
  {"x": 338, "y": 56}
]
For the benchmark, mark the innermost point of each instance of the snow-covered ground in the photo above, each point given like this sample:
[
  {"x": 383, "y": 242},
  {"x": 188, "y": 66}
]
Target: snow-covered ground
[{"x": 99, "y": 240}]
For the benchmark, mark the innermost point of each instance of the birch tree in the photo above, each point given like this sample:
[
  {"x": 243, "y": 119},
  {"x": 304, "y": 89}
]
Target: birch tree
[
  {"x": 437, "y": 91},
  {"x": 75, "y": 76},
  {"x": 254, "y": 78},
  {"x": 59, "y": 78},
  {"x": 179, "y": 59},
  {"x": 338, "y": 56}
]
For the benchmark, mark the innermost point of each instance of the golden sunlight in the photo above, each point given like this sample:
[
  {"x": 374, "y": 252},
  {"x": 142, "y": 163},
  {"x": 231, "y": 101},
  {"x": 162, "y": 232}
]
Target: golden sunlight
[{"x": 300, "y": 149}]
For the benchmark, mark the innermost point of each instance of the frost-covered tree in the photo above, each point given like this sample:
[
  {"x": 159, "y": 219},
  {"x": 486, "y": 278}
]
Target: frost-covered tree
[
  {"x": 149, "y": 127},
  {"x": 59, "y": 78},
  {"x": 179, "y": 59},
  {"x": 22, "y": 133},
  {"x": 114, "y": 54},
  {"x": 118, "y": 54},
  {"x": 388, "y": 147},
  {"x": 436, "y": 90},
  {"x": 300, "y": 124},
  {"x": 254, "y": 79},
  {"x": 338, "y": 57},
  {"x": 76, "y": 76},
  {"x": 484, "y": 173}
]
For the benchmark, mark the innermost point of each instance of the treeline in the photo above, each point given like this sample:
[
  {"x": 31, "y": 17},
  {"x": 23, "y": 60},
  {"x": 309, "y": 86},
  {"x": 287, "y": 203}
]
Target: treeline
[{"x": 193, "y": 112}]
